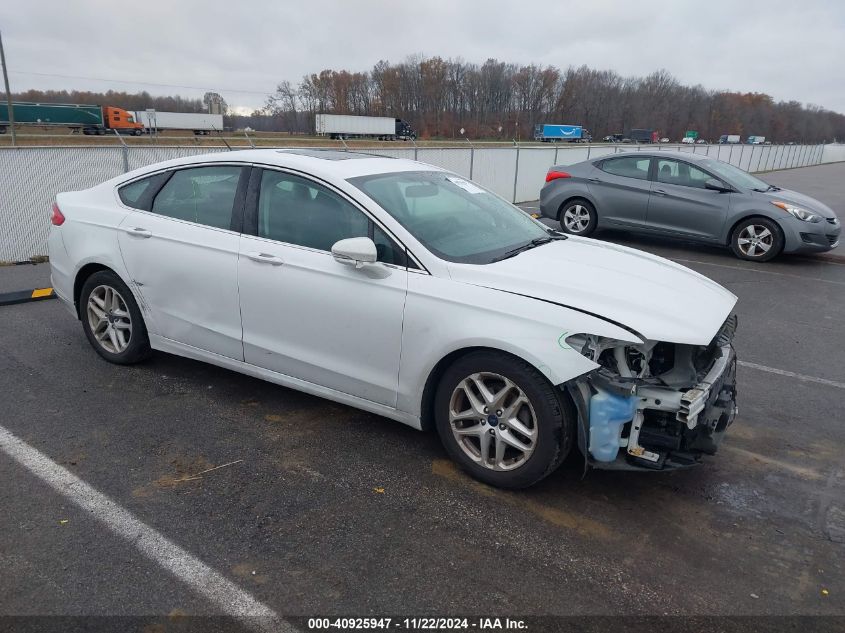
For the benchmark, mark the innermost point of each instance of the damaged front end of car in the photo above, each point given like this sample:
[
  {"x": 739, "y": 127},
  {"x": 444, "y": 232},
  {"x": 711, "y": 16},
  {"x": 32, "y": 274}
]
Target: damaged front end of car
[{"x": 655, "y": 405}]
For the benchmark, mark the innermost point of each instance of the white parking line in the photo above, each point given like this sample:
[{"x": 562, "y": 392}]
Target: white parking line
[
  {"x": 792, "y": 374},
  {"x": 224, "y": 594},
  {"x": 755, "y": 270}
]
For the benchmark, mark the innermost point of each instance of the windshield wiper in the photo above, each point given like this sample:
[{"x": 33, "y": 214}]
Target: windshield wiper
[
  {"x": 537, "y": 241},
  {"x": 769, "y": 188}
]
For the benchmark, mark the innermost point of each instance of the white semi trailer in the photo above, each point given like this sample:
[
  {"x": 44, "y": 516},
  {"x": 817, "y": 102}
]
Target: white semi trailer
[
  {"x": 384, "y": 128},
  {"x": 200, "y": 123}
]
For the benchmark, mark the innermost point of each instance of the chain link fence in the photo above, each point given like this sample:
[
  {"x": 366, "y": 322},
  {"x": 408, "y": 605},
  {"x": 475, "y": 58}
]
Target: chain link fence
[{"x": 30, "y": 177}]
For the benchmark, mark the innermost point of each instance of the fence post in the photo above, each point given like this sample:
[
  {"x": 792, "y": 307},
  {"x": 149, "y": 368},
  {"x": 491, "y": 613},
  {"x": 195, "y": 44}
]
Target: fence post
[
  {"x": 471, "y": 156},
  {"x": 124, "y": 151},
  {"x": 588, "y": 150},
  {"x": 249, "y": 140},
  {"x": 515, "y": 172},
  {"x": 415, "y": 148},
  {"x": 556, "y": 149},
  {"x": 741, "y": 152}
]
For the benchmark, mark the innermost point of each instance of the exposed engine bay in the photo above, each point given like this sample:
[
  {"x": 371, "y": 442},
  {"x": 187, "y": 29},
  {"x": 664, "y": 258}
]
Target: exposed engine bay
[{"x": 656, "y": 405}]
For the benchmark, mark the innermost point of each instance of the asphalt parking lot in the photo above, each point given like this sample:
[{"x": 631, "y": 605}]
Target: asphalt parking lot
[{"x": 313, "y": 508}]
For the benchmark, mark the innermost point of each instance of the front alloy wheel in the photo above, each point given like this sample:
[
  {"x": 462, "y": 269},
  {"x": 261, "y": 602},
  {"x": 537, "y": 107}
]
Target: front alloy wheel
[
  {"x": 493, "y": 421},
  {"x": 501, "y": 420},
  {"x": 757, "y": 239}
]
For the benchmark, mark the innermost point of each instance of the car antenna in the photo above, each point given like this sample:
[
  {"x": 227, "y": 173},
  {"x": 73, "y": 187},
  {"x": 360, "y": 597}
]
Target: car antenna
[{"x": 221, "y": 138}]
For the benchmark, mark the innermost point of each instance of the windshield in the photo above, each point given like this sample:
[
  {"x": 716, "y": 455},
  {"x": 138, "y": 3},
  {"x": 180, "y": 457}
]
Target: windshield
[
  {"x": 452, "y": 217},
  {"x": 734, "y": 175}
]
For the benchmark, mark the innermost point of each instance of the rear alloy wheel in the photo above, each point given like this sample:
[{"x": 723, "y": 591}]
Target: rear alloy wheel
[
  {"x": 757, "y": 239},
  {"x": 578, "y": 217},
  {"x": 111, "y": 319},
  {"x": 501, "y": 420}
]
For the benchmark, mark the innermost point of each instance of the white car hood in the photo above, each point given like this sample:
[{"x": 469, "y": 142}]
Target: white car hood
[{"x": 659, "y": 299}]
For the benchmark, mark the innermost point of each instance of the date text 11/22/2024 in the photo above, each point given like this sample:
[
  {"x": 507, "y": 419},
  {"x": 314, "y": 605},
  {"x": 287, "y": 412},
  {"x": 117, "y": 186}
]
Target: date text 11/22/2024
[{"x": 481, "y": 624}]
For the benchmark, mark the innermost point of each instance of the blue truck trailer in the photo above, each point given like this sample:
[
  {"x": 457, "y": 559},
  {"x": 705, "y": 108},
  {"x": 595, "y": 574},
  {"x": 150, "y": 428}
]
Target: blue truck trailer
[{"x": 550, "y": 133}]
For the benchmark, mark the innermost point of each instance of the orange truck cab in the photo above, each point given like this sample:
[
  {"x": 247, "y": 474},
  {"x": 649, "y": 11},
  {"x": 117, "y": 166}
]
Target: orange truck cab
[{"x": 121, "y": 120}]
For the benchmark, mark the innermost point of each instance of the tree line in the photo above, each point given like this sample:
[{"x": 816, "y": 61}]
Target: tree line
[
  {"x": 496, "y": 99},
  {"x": 499, "y": 100}
]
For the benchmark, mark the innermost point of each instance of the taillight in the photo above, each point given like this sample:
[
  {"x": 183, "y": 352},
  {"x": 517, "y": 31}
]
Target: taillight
[
  {"x": 56, "y": 217},
  {"x": 554, "y": 175}
]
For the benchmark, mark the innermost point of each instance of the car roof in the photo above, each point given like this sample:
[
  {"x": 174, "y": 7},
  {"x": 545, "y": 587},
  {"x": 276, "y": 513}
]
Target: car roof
[
  {"x": 328, "y": 164},
  {"x": 688, "y": 156}
]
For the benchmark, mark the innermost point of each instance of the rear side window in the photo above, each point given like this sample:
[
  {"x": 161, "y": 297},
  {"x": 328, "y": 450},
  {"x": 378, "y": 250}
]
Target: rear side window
[
  {"x": 138, "y": 194},
  {"x": 205, "y": 195},
  {"x": 628, "y": 167}
]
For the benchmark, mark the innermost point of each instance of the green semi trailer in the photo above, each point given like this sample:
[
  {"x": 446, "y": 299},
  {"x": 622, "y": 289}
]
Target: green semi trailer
[{"x": 91, "y": 119}]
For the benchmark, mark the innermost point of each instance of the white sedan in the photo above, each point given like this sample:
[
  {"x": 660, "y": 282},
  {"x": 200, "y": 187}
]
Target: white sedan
[{"x": 408, "y": 291}]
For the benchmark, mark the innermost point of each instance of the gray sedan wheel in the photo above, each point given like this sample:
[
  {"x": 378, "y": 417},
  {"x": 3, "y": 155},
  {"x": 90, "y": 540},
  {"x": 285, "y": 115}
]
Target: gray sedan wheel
[
  {"x": 757, "y": 239},
  {"x": 578, "y": 217}
]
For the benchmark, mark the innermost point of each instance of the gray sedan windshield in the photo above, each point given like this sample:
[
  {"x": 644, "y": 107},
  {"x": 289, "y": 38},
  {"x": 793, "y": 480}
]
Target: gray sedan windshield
[
  {"x": 452, "y": 217},
  {"x": 734, "y": 175}
]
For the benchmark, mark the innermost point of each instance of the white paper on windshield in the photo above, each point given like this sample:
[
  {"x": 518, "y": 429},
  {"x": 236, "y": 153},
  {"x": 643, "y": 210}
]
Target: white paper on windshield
[{"x": 466, "y": 185}]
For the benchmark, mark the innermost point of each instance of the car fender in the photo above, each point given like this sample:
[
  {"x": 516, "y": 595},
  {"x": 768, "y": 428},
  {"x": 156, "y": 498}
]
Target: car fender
[
  {"x": 443, "y": 316},
  {"x": 89, "y": 236},
  {"x": 552, "y": 196},
  {"x": 738, "y": 213}
]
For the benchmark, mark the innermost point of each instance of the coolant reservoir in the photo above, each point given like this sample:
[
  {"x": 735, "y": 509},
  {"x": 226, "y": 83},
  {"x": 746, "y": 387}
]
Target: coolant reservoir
[{"x": 608, "y": 413}]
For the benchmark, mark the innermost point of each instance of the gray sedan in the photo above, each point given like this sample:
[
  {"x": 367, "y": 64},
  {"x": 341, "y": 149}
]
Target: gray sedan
[{"x": 691, "y": 197}]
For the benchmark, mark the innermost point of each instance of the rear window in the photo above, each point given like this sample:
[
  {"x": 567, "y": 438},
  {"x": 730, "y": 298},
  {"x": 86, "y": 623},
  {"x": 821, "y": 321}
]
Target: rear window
[{"x": 628, "y": 167}]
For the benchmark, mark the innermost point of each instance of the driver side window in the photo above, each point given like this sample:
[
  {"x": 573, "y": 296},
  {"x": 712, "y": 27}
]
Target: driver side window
[
  {"x": 299, "y": 211},
  {"x": 676, "y": 172}
]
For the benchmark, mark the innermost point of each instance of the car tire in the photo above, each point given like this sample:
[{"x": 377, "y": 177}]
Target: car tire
[
  {"x": 112, "y": 320},
  {"x": 578, "y": 217},
  {"x": 757, "y": 239},
  {"x": 542, "y": 426}
]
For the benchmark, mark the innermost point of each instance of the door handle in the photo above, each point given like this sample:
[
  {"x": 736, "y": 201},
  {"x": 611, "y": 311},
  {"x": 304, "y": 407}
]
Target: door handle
[
  {"x": 137, "y": 231},
  {"x": 594, "y": 180},
  {"x": 265, "y": 258},
  {"x": 659, "y": 192}
]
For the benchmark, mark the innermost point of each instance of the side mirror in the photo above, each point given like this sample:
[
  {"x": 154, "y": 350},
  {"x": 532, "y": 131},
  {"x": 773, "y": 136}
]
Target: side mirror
[
  {"x": 355, "y": 251},
  {"x": 717, "y": 185}
]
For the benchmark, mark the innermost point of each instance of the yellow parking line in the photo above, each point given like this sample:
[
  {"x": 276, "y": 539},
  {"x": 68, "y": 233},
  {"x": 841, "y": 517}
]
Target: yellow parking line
[{"x": 801, "y": 471}]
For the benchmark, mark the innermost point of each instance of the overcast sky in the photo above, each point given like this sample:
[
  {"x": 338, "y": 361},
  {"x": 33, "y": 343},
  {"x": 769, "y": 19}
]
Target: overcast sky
[{"x": 791, "y": 50}]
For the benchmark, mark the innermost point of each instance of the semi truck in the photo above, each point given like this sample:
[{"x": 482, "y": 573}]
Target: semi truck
[
  {"x": 553, "y": 132},
  {"x": 91, "y": 119},
  {"x": 200, "y": 123},
  {"x": 639, "y": 135},
  {"x": 729, "y": 138},
  {"x": 756, "y": 140},
  {"x": 384, "y": 128}
]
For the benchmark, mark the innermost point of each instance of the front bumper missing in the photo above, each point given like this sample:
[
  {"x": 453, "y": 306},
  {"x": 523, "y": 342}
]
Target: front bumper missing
[{"x": 669, "y": 428}]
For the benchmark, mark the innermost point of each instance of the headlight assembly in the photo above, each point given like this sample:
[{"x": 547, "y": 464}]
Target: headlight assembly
[{"x": 798, "y": 212}]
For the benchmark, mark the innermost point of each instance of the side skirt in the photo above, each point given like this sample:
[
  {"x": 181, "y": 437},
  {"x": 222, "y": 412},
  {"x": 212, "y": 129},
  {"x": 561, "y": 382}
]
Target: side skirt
[{"x": 180, "y": 349}]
